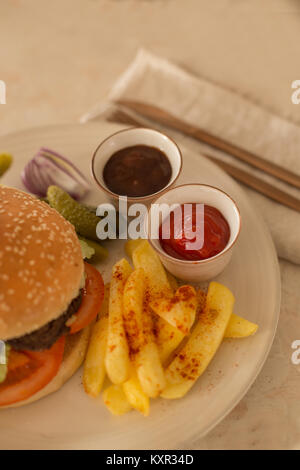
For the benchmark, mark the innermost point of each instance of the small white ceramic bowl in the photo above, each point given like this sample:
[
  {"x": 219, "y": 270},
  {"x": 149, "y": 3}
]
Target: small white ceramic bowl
[
  {"x": 127, "y": 138},
  {"x": 206, "y": 269}
]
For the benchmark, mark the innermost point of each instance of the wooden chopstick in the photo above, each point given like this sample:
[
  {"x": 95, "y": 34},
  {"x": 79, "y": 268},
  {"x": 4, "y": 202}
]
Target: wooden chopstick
[
  {"x": 167, "y": 119},
  {"x": 240, "y": 175},
  {"x": 258, "y": 184}
]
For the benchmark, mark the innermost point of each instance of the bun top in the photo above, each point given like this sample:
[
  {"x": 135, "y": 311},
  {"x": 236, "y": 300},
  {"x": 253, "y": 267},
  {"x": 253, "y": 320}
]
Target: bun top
[{"x": 41, "y": 266}]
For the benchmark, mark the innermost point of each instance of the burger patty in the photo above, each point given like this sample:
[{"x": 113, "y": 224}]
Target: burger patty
[{"x": 47, "y": 335}]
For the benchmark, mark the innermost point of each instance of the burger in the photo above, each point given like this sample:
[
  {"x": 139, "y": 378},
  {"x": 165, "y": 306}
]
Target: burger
[{"x": 48, "y": 298}]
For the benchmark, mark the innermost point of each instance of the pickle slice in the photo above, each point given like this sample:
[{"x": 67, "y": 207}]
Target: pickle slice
[
  {"x": 5, "y": 162},
  {"x": 84, "y": 221}
]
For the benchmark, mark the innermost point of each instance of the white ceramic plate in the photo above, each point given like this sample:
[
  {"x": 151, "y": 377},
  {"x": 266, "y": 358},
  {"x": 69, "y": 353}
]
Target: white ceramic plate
[{"x": 69, "y": 419}]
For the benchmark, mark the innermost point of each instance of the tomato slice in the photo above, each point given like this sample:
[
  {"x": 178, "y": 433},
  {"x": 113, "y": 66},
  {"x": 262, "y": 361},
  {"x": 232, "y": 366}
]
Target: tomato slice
[
  {"x": 29, "y": 372},
  {"x": 93, "y": 294}
]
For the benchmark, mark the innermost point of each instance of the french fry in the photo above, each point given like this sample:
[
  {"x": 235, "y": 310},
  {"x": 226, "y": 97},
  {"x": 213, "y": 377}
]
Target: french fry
[
  {"x": 135, "y": 395},
  {"x": 145, "y": 257},
  {"x": 115, "y": 400},
  {"x": 190, "y": 363},
  {"x": 168, "y": 338},
  {"x": 131, "y": 245},
  {"x": 139, "y": 329},
  {"x": 180, "y": 310},
  {"x": 94, "y": 367},
  {"x": 133, "y": 300},
  {"x": 238, "y": 327},
  {"x": 117, "y": 360},
  {"x": 201, "y": 301},
  {"x": 148, "y": 364}
]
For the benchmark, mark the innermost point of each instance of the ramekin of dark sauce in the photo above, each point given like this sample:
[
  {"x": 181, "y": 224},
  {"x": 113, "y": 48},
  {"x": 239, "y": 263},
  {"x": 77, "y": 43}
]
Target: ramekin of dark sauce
[
  {"x": 139, "y": 163},
  {"x": 137, "y": 171}
]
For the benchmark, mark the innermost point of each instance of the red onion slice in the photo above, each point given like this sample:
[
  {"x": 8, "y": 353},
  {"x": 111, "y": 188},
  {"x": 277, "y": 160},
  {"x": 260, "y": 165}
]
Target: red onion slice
[{"x": 50, "y": 168}]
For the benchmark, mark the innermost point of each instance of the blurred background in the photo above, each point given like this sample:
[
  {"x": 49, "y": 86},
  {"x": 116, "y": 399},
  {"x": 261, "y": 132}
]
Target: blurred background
[{"x": 58, "y": 58}]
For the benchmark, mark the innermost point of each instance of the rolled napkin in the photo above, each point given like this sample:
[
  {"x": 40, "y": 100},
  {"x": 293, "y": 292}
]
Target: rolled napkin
[{"x": 156, "y": 81}]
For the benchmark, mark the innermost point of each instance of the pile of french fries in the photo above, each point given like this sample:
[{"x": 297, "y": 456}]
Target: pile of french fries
[{"x": 153, "y": 338}]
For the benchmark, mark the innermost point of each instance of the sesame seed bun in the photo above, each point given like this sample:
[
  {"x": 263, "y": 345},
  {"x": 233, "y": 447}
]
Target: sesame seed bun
[
  {"x": 75, "y": 349},
  {"x": 41, "y": 266}
]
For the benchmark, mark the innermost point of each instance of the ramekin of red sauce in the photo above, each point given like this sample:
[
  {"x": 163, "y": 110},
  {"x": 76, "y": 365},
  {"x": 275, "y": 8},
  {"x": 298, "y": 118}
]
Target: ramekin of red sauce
[
  {"x": 211, "y": 212},
  {"x": 191, "y": 222}
]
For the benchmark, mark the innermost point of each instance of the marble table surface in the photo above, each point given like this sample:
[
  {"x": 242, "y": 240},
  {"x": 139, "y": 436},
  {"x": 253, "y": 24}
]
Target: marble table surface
[{"x": 59, "y": 58}]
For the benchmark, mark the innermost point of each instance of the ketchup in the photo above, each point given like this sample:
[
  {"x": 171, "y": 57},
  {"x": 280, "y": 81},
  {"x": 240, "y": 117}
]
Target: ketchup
[{"x": 216, "y": 234}]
